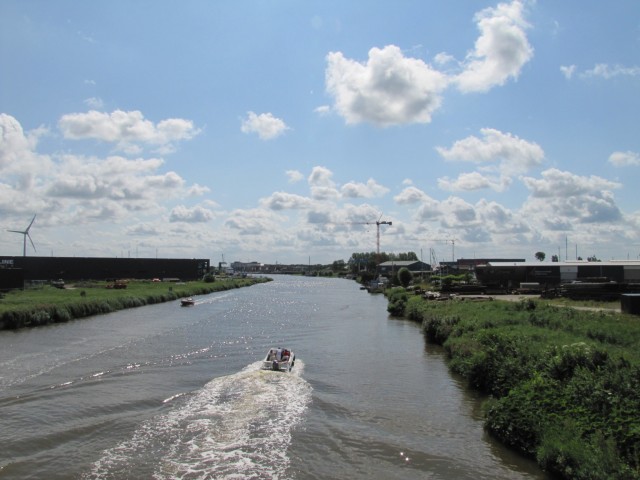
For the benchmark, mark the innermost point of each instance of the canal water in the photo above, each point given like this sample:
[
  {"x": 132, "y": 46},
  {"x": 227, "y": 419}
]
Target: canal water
[{"x": 170, "y": 392}]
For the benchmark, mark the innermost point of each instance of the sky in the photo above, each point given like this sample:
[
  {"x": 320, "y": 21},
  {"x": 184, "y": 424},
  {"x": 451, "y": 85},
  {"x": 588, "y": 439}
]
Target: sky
[{"x": 281, "y": 131}]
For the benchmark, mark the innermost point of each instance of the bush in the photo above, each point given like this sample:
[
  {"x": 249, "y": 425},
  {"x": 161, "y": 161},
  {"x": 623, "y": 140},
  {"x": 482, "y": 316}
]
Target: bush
[
  {"x": 578, "y": 415},
  {"x": 515, "y": 419},
  {"x": 564, "y": 453},
  {"x": 404, "y": 277},
  {"x": 413, "y": 309},
  {"x": 397, "y": 298},
  {"x": 438, "y": 329},
  {"x": 565, "y": 384},
  {"x": 565, "y": 360}
]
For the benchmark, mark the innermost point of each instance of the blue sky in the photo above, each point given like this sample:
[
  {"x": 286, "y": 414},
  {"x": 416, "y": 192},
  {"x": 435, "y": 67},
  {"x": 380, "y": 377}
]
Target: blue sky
[{"x": 281, "y": 131}]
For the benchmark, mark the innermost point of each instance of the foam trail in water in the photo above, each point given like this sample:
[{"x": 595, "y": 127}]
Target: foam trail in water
[{"x": 237, "y": 426}]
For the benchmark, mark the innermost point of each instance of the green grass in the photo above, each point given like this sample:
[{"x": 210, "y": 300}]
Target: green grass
[
  {"x": 41, "y": 306},
  {"x": 596, "y": 304},
  {"x": 563, "y": 384}
]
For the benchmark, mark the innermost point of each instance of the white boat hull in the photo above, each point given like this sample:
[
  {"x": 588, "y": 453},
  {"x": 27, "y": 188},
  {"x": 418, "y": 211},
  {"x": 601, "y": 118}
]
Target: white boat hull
[{"x": 276, "y": 362}]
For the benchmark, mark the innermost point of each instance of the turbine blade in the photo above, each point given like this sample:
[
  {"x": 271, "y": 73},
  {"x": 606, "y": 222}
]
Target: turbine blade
[
  {"x": 16, "y": 231},
  {"x": 32, "y": 220},
  {"x": 32, "y": 244}
]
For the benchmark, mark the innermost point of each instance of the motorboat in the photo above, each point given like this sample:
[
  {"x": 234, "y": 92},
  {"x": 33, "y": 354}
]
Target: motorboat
[
  {"x": 279, "y": 360},
  {"x": 187, "y": 302}
]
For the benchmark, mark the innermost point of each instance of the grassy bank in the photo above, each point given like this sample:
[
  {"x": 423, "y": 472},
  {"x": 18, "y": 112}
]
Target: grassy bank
[
  {"x": 563, "y": 384},
  {"x": 45, "y": 305}
]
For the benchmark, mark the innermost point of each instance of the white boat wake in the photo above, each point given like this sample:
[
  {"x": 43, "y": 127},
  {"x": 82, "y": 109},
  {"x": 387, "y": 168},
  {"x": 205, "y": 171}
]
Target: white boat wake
[{"x": 237, "y": 426}]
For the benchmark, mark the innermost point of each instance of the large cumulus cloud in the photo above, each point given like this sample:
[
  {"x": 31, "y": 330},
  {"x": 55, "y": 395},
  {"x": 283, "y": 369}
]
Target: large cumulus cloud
[{"x": 389, "y": 88}]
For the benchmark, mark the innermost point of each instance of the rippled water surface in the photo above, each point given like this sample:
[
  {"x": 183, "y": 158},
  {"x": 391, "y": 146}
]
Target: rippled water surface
[{"x": 169, "y": 392}]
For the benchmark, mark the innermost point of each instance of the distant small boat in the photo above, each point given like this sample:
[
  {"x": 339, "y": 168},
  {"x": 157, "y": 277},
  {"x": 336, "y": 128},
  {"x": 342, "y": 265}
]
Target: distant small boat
[
  {"x": 187, "y": 302},
  {"x": 279, "y": 360}
]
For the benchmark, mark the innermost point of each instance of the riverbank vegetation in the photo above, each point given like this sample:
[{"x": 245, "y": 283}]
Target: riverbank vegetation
[
  {"x": 41, "y": 306},
  {"x": 563, "y": 384}
]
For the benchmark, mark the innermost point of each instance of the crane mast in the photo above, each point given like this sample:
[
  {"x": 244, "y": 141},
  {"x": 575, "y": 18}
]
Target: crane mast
[{"x": 378, "y": 223}]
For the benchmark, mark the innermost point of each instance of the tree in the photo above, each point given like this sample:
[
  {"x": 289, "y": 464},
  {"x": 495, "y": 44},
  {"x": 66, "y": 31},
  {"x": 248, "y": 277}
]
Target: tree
[
  {"x": 360, "y": 262},
  {"x": 404, "y": 277},
  {"x": 369, "y": 261},
  {"x": 366, "y": 277},
  {"x": 540, "y": 256},
  {"x": 338, "y": 266}
]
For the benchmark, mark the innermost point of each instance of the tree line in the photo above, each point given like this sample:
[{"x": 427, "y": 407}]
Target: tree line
[{"x": 369, "y": 261}]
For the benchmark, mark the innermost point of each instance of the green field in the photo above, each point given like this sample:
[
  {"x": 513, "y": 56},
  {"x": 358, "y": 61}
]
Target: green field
[
  {"x": 40, "y": 306},
  {"x": 562, "y": 384}
]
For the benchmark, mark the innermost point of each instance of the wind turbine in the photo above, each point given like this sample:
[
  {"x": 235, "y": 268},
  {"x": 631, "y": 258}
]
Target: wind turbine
[{"x": 25, "y": 234}]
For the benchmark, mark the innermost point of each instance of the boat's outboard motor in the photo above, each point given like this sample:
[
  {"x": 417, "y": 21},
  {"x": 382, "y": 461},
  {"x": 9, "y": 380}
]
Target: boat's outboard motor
[{"x": 275, "y": 365}]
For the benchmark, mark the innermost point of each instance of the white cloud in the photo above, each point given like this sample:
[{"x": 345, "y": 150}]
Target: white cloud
[
  {"x": 556, "y": 183},
  {"x": 323, "y": 110},
  {"x": 392, "y": 89},
  {"x": 410, "y": 195},
  {"x": 71, "y": 190},
  {"x": 472, "y": 181},
  {"x": 361, "y": 190},
  {"x": 143, "y": 229},
  {"x": 322, "y": 185},
  {"x": 196, "y": 190},
  {"x": 427, "y": 208},
  {"x": 359, "y": 215},
  {"x": 134, "y": 182},
  {"x": 294, "y": 176},
  {"x": 19, "y": 162},
  {"x": 444, "y": 59},
  {"x": 14, "y": 144},
  {"x": 501, "y": 50},
  {"x": 625, "y": 159},
  {"x": 389, "y": 89},
  {"x": 457, "y": 212},
  {"x": 254, "y": 221},
  {"x": 197, "y": 214},
  {"x": 285, "y": 201},
  {"x": 568, "y": 71},
  {"x": 94, "y": 103},
  {"x": 500, "y": 220},
  {"x": 321, "y": 176},
  {"x": 128, "y": 130},
  {"x": 265, "y": 125},
  {"x": 512, "y": 154},
  {"x": 563, "y": 198},
  {"x": 607, "y": 72}
]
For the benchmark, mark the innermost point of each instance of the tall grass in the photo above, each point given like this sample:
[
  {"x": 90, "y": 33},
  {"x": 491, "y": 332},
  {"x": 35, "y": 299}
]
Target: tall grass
[
  {"x": 563, "y": 384},
  {"x": 35, "y": 307}
]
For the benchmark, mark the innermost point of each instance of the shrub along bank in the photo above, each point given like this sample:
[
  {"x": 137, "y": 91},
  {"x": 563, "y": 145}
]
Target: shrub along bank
[
  {"x": 563, "y": 384},
  {"x": 46, "y": 305}
]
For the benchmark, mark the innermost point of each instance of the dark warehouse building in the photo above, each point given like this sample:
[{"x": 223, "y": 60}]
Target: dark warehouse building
[{"x": 99, "y": 268}]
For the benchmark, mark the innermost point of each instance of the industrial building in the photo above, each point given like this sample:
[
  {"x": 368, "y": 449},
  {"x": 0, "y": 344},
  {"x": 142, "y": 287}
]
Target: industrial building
[
  {"x": 14, "y": 270},
  {"x": 414, "y": 266},
  {"x": 510, "y": 275}
]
